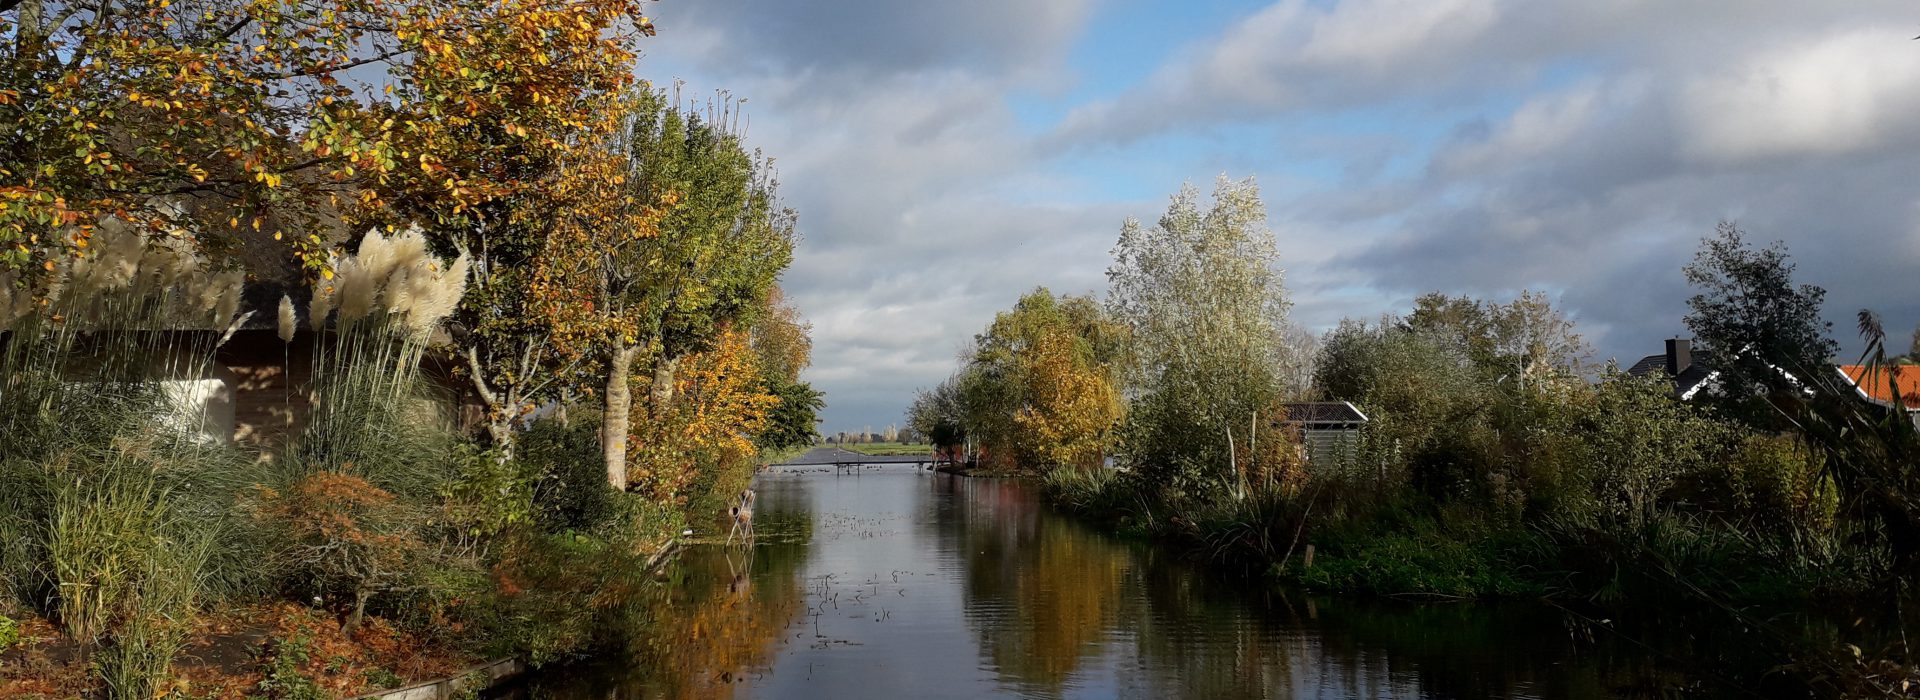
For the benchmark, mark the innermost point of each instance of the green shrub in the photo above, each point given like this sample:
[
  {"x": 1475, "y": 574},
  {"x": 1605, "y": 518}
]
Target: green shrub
[
  {"x": 569, "y": 476},
  {"x": 1423, "y": 559},
  {"x": 286, "y": 678},
  {"x": 489, "y": 496},
  {"x": 9, "y": 633},
  {"x": 1776, "y": 483}
]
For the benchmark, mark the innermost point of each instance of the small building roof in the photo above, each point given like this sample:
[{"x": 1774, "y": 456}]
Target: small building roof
[
  {"x": 1686, "y": 385},
  {"x": 1324, "y": 414},
  {"x": 1877, "y": 384}
]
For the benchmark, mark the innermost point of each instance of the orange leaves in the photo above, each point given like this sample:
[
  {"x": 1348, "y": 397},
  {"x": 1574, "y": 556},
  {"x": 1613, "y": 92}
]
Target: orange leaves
[
  {"x": 342, "y": 530},
  {"x": 177, "y": 100},
  {"x": 327, "y": 504},
  {"x": 719, "y": 405}
]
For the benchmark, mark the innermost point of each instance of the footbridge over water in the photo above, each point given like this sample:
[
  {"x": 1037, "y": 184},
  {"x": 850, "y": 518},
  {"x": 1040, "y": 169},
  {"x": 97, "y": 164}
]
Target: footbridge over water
[{"x": 850, "y": 460}]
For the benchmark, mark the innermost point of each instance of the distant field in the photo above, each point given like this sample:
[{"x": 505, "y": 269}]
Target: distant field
[
  {"x": 888, "y": 449},
  {"x": 782, "y": 455}
]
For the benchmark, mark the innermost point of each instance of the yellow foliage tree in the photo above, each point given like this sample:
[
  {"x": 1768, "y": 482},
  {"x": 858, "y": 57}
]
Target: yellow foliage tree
[
  {"x": 705, "y": 436},
  {"x": 223, "y": 120},
  {"x": 1072, "y": 403}
]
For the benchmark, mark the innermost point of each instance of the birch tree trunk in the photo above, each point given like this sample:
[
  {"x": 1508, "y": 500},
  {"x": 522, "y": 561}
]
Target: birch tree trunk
[{"x": 613, "y": 428}]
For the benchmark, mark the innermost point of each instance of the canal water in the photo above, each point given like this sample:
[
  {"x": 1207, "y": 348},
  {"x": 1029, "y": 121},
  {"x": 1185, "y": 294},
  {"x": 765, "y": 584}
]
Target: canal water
[{"x": 894, "y": 582}]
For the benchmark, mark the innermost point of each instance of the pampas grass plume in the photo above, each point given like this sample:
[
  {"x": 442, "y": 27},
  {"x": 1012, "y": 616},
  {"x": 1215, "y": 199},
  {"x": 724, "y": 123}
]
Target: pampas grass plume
[
  {"x": 230, "y": 284},
  {"x": 287, "y": 320},
  {"x": 439, "y": 295}
]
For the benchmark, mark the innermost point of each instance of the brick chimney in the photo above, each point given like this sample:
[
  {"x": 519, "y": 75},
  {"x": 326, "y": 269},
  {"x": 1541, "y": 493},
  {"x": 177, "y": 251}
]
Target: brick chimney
[{"x": 1679, "y": 356}]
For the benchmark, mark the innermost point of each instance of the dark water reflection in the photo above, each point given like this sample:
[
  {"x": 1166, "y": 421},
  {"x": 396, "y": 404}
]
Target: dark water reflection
[{"x": 896, "y": 583}]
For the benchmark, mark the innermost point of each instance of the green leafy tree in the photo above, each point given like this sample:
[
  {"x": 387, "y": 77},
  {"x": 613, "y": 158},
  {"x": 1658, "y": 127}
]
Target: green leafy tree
[
  {"x": 722, "y": 242},
  {"x": 1466, "y": 323},
  {"x": 938, "y": 414},
  {"x": 791, "y": 423},
  {"x": 1200, "y": 296},
  {"x": 1759, "y": 326},
  {"x": 1341, "y": 370}
]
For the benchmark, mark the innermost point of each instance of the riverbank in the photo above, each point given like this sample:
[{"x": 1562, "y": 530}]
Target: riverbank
[
  {"x": 1808, "y": 628},
  {"x": 534, "y": 559},
  {"x": 286, "y": 650}
]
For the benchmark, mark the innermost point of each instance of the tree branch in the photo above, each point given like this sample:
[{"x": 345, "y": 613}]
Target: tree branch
[
  {"x": 335, "y": 68},
  {"x": 237, "y": 26},
  {"x": 479, "y": 378}
]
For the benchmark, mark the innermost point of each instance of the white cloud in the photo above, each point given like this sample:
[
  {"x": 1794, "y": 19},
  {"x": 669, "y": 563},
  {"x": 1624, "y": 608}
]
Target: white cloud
[{"x": 1820, "y": 96}]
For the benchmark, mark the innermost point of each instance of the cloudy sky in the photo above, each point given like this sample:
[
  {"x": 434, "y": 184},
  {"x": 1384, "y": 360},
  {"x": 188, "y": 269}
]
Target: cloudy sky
[{"x": 947, "y": 156}]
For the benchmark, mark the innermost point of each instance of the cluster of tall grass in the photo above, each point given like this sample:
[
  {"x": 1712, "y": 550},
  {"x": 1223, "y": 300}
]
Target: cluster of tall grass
[
  {"x": 124, "y": 513},
  {"x": 116, "y": 515}
]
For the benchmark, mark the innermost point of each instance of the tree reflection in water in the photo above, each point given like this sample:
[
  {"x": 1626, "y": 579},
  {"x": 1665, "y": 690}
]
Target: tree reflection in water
[
  {"x": 714, "y": 623},
  {"x": 895, "y": 583}
]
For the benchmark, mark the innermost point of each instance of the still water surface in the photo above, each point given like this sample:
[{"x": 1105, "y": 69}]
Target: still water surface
[{"x": 899, "y": 583}]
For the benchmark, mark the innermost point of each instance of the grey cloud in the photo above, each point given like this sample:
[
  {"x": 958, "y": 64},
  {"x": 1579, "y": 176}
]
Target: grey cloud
[
  {"x": 873, "y": 36},
  {"x": 1307, "y": 56},
  {"x": 1612, "y": 207}
]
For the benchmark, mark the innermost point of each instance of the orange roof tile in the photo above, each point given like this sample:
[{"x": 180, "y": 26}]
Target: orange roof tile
[{"x": 1875, "y": 384}]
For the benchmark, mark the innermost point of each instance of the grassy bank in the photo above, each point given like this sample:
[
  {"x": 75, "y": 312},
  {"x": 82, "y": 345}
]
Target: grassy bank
[
  {"x": 1830, "y": 625},
  {"x": 780, "y": 455}
]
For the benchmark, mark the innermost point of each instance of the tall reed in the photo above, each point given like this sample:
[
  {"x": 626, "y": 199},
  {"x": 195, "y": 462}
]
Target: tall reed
[{"x": 113, "y": 496}]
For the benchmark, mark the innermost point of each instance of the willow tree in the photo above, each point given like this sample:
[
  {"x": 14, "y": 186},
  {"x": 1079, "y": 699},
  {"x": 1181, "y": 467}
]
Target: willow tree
[
  {"x": 1201, "y": 296},
  {"x": 721, "y": 241}
]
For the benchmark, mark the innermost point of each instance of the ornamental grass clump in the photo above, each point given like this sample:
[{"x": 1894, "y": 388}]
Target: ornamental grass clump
[
  {"x": 386, "y": 299},
  {"x": 115, "y": 502},
  {"x": 350, "y": 507}
]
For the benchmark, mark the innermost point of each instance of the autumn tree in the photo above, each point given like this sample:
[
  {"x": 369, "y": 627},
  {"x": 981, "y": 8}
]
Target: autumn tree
[
  {"x": 1072, "y": 402},
  {"x": 1053, "y": 360},
  {"x": 722, "y": 240},
  {"x": 525, "y": 180},
  {"x": 236, "y": 122},
  {"x": 273, "y": 127},
  {"x": 705, "y": 435},
  {"x": 782, "y": 340},
  {"x": 782, "y": 348}
]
